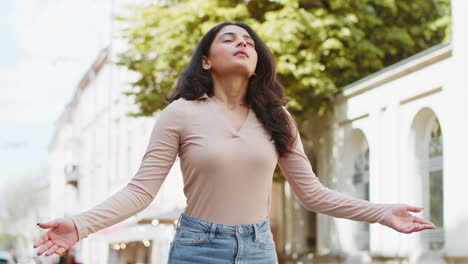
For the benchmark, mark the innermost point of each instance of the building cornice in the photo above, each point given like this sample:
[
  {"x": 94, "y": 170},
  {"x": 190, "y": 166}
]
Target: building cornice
[
  {"x": 409, "y": 65},
  {"x": 95, "y": 68},
  {"x": 66, "y": 115}
]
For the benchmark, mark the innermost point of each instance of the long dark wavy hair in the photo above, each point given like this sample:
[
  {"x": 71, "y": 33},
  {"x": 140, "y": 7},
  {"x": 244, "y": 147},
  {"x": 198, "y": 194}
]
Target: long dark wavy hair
[{"x": 265, "y": 94}]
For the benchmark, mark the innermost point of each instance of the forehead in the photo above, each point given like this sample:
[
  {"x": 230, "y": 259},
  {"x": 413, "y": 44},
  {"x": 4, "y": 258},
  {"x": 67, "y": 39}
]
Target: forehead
[{"x": 234, "y": 29}]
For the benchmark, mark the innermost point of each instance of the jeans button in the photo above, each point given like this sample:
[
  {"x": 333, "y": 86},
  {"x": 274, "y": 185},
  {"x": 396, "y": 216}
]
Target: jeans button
[{"x": 239, "y": 229}]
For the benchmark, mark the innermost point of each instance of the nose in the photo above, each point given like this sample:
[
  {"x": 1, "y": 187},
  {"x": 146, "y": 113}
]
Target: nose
[{"x": 242, "y": 42}]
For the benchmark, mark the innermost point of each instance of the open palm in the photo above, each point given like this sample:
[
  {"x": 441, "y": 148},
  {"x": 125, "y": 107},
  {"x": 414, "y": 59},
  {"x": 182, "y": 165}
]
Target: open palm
[
  {"x": 61, "y": 236},
  {"x": 401, "y": 220}
]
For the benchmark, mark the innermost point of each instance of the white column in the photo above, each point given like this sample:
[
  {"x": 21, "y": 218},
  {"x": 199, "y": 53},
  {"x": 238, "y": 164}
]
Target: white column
[
  {"x": 389, "y": 178},
  {"x": 455, "y": 137}
]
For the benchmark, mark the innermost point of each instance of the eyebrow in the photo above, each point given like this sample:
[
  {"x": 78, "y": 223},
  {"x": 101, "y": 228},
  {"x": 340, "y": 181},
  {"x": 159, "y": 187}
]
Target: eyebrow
[{"x": 233, "y": 34}]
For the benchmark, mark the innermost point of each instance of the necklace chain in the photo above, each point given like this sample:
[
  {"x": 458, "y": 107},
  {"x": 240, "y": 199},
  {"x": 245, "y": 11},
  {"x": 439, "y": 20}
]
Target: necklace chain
[{"x": 214, "y": 97}]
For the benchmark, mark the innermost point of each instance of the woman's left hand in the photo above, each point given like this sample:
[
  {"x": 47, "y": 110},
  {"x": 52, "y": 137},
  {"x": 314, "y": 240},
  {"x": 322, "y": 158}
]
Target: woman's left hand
[{"x": 399, "y": 218}]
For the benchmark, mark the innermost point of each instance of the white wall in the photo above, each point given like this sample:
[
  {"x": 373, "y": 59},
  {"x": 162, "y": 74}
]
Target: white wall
[{"x": 384, "y": 108}]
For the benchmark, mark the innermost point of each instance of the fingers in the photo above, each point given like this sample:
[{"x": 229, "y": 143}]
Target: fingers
[
  {"x": 51, "y": 250},
  {"x": 423, "y": 221},
  {"x": 41, "y": 240},
  {"x": 50, "y": 224},
  {"x": 409, "y": 228},
  {"x": 413, "y": 228},
  {"x": 44, "y": 247},
  {"x": 422, "y": 227},
  {"x": 414, "y": 209},
  {"x": 428, "y": 227},
  {"x": 416, "y": 228}
]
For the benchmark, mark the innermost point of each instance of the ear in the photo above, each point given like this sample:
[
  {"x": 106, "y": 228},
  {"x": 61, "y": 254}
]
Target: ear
[{"x": 206, "y": 63}]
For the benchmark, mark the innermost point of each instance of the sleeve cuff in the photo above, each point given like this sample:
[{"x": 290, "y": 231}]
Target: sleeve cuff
[
  {"x": 79, "y": 227},
  {"x": 386, "y": 214}
]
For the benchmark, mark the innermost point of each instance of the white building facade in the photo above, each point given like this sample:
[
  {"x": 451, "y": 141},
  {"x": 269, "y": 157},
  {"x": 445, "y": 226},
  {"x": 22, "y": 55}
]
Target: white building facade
[
  {"x": 96, "y": 150},
  {"x": 397, "y": 136}
]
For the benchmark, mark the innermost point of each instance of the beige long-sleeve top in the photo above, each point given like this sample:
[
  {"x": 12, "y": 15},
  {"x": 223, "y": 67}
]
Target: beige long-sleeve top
[{"x": 227, "y": 173}]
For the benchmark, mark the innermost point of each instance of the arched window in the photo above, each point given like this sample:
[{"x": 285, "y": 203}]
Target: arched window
[
  {"x": 361, "y": 174},
  {"x": 360, "y": 180},
  {"x": 427, "y": 140},
  {"x": 436, "y": 183}
]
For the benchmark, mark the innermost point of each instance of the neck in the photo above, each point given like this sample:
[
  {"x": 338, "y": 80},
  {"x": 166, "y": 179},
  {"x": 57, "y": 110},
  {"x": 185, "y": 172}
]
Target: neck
[{"x": 230, "y": 90}]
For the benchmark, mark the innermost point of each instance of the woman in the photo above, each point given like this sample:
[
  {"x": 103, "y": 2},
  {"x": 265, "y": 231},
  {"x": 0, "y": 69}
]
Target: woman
[{"x": 227, "y": 122}]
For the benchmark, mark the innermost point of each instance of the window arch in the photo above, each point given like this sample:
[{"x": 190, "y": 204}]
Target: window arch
[
  {"x": 360, "y": 165},
  {"x": 427, "y": 143},
  {"x": 435, "y": 188}
]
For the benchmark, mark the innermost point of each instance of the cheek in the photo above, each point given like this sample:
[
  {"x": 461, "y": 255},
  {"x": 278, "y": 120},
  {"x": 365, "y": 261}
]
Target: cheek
[
  {"x": 254, "y": 61},
  {"x": 219, "y": 53}
]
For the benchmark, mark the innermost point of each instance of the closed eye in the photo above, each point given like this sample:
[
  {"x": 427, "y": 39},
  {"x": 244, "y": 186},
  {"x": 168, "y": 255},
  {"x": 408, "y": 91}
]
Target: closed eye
[{"x": 248, "y": 43}]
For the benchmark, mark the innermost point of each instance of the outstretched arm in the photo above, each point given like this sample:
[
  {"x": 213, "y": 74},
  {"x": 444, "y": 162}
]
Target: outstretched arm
[
  {"x": 157, "y": 161},
  {"x": 315, "y": 197}
]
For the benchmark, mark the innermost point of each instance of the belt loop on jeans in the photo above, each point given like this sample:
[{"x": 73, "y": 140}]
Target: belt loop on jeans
[
  {"x": 213, "y": 230},
  {"x": 178, "y": 221},
  {"x": 256, "y": 232}
]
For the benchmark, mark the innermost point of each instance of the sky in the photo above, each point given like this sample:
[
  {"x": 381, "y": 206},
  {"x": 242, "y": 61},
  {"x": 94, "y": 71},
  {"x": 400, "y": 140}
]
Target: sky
[{"x": 46, "y": 46}]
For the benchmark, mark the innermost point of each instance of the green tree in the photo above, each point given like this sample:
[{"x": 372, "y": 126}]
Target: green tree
[{"x": 320, "y": 45}]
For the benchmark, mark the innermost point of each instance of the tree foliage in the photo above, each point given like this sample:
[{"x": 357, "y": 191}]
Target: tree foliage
[{"x": 319, "y": 45}]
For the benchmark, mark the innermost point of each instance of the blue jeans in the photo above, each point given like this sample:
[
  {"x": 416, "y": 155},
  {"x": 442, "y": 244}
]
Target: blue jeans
[{"x": 200, "y": 241}]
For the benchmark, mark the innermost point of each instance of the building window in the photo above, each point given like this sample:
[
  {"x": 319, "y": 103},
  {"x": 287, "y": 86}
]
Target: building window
[
  {"x": 436, "y": 192},
  {"x": 361, "y": 187},
  {"x": 428, "y": 166}
]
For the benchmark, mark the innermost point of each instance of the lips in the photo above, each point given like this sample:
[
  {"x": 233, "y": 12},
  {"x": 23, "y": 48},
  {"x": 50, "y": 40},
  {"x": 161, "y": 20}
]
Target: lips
[{"x": 241, "y": 52}]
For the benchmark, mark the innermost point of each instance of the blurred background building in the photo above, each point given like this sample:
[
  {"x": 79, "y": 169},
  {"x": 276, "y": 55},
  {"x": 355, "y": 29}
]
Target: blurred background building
[{"x": 95, "y": 152}]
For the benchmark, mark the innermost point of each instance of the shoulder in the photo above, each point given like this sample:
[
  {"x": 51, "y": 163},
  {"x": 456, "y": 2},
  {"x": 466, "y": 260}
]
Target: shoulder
[
  {"x": 182, "y": 107},
  {"x": 191, "y": 106},
  {"x": 176, "y": 107},
  {"x": 173, "y": 113},
  {"x": 292, "y": 122},
  {"x": 288, "y": 114}
]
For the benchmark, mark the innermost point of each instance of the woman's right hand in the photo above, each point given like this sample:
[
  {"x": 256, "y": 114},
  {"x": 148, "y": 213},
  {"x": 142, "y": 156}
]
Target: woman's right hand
[{"x": 61, "y": 236}]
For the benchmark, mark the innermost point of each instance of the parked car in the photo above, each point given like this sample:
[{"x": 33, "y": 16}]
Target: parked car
[{"x": 6, "y": 258}]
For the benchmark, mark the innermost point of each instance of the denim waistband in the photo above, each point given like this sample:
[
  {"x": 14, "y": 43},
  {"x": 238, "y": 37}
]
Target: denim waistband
[{"x": 202, "y": 225}]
